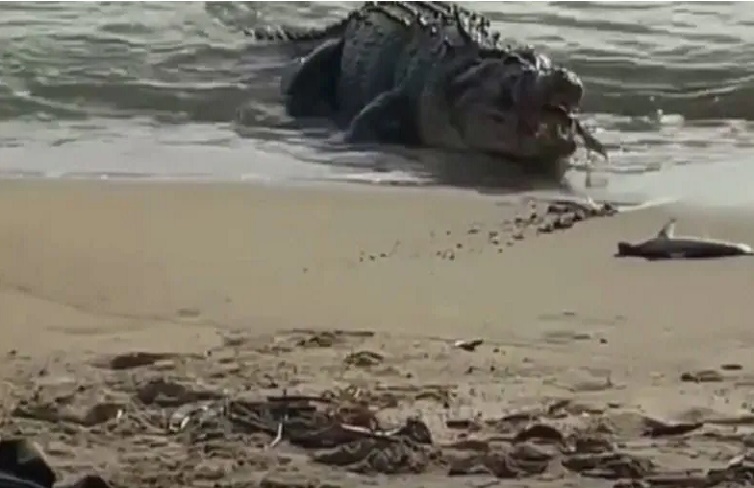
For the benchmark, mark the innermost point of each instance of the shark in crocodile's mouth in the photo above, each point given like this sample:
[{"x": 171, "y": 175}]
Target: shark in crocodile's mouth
[
  {"x": 513, "y": 108},
  {"x": 547, "y": 102}
]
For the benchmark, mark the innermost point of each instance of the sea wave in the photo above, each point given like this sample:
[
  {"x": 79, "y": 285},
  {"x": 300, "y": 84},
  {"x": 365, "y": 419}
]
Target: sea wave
[{"x": 191, "y": 61}]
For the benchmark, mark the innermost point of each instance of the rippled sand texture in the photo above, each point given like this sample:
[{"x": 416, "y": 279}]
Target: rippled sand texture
[
  {"x": 669, "y": 85},
  {"x": 129, "y": 307}
]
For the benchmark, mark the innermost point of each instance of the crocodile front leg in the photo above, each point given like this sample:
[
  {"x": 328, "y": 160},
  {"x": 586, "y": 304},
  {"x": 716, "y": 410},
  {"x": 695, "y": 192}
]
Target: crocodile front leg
[
  {"x": 311, "y": 89},
  {"x": 389, "y": 118}
]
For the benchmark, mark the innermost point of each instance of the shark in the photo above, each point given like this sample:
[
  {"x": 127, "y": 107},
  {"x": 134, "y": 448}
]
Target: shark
[{"x": 667, "y": 245}]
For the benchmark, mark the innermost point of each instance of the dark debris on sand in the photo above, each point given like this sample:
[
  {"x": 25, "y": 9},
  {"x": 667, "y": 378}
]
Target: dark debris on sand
[
  {"x": 183, "y": 425},
  {"x": 537, "y": 219}
]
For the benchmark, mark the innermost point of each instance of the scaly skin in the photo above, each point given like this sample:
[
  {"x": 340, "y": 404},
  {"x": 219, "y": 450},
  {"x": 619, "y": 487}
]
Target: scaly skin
[
  {"x": 475, "y": 24},
  {"x": 430, "y": 73}
]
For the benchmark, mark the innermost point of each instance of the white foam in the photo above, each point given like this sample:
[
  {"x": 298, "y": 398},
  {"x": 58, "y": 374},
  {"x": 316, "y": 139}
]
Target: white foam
[{"x": 655, "y": 202}]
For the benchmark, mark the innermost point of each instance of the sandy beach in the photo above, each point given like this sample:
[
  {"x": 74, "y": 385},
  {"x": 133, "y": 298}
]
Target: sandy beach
[{"x": 246, "y": 288}]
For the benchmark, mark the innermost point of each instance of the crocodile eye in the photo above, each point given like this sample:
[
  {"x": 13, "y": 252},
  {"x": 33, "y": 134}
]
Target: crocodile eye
[
  {"x": 522, "y": 86},
  {"x": 498, "y": 118},
  {"x": 513, "y": 59}
]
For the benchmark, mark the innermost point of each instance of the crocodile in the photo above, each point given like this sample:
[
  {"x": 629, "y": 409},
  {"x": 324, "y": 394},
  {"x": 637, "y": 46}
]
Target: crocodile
[{"x": 433, "y": 74}]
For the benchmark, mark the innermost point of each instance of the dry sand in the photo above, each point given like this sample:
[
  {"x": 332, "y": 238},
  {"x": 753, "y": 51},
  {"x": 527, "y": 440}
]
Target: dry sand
[{"x": 244, "y": 286}]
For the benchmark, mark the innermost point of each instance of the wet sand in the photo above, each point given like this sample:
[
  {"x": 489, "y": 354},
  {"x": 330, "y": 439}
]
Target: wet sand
[{"x": 253, "y": 289}]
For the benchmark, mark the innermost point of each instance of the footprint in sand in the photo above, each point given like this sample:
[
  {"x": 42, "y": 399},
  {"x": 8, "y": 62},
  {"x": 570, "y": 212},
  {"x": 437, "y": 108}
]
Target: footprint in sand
[{"x": 188, "y": 313}]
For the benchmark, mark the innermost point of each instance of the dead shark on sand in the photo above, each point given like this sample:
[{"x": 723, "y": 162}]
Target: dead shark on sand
[{"x": 666, "y": 245}]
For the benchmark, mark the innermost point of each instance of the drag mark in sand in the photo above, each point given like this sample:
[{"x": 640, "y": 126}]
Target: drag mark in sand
[
  {"x": 538, "y": 218},
  {"x": 183, "y": 316}
]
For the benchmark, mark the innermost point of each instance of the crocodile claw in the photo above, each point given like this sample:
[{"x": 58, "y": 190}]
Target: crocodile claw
[{"x": 591, "y": 142}]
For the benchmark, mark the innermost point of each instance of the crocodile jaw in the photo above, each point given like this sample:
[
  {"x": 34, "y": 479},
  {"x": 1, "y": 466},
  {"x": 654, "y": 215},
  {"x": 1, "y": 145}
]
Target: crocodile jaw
[
  {"x": 546, "y": 94},
  {"x": 513, "y": 110}
]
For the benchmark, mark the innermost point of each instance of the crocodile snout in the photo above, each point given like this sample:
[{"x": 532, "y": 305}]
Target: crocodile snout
[
  {"x": 565, "y": 89},
  {"x": 538, "y": 91}
]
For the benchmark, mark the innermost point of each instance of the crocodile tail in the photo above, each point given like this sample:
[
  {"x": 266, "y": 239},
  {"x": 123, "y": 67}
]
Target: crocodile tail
[{"x": 293, "y": 34}]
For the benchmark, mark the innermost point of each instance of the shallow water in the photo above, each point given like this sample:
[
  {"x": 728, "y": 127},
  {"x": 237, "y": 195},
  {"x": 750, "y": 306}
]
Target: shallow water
[{"x": 150, "y": 90}]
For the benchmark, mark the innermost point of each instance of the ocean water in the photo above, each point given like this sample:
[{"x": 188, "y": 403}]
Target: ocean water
[{"x": 151, "y": 89}]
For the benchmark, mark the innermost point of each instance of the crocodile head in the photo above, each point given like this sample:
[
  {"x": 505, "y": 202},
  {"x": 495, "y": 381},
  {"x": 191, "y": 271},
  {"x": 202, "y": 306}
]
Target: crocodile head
[
  {"x": 516, "y": 109},
  {"x": 544, "y": 103}
]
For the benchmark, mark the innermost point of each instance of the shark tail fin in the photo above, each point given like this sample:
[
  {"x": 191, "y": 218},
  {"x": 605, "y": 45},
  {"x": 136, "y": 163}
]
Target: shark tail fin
[{"x": 668, "y": 230}]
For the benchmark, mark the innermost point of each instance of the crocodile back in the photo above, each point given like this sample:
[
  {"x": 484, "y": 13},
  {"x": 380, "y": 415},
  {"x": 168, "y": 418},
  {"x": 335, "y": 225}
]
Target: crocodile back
[
  {"x": 391, "y": 44},
  {"x": 372, "y": 42}
]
